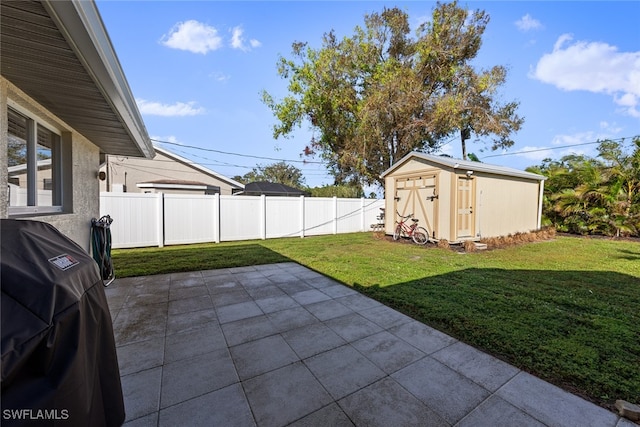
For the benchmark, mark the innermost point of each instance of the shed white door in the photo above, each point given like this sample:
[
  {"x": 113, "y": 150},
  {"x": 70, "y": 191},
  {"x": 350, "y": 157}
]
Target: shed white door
[
  {"x": 465, "y": 205},
  {"x": 417, "y": 195}
]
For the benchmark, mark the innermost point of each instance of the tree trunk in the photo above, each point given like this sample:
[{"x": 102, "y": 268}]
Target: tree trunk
[{"x": 464, "y": 146}]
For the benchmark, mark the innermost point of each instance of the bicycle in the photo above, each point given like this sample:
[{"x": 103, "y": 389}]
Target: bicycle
[{"x": 419, "y": 235}]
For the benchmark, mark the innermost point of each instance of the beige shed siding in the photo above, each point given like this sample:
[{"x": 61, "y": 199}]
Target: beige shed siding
[
  {"x": 84, "y": 201},
  {"x": 506, "y": 206},
  {"x": 422, "y": 178},
  {"x": 472, "y": 200},
  {"x": 130, "y": 170}
]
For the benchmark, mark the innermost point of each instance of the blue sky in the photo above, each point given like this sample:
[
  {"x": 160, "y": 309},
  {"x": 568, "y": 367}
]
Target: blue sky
[{"x": 197, "y": 70}]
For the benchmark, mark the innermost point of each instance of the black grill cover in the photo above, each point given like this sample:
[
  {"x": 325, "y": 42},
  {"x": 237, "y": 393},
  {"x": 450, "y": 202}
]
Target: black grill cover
[{"x": 59, "y": 364}]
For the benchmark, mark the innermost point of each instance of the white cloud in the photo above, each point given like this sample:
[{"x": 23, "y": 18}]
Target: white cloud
[
  {"x": 535, "y": 153},
  {"x": 171, "y": 139},
  {"x": 595, "y": 67},
  {"x": 236, "y": 38},
  {"x": 611, "y": 128},
  {"x": 238, "y": 41},
  {"x": 527, "y": 23},
  {"x": 178, "y": 109},
  {"x": 579, "y": 143},
  {"x": 576, "y": 138},
  {"x": 219, "y": 76},
  {"x": 192, "y": 36}
]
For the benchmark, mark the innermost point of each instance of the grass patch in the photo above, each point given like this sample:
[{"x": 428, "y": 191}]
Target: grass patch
[{"x": 567, "y": 310}]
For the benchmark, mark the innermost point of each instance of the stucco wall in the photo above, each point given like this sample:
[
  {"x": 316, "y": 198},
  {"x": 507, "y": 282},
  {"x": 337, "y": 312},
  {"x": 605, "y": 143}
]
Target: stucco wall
[{"x": 83, "y": 202}]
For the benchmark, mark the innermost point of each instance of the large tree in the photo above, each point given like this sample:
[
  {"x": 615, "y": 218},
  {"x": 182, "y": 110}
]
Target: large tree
[
  {"x": 375, "y": 96},
  {"x": 281, "y": 173}
]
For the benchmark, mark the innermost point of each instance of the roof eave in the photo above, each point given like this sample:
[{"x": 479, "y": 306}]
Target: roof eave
[{"x": 82, "y": 26}]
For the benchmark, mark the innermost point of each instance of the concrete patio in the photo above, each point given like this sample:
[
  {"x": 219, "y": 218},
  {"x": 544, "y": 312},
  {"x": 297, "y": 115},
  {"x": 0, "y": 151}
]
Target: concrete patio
[{"x": 276, "y": 345}]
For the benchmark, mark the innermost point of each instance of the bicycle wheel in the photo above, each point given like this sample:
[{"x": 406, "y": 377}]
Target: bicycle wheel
[
  {"x": 397, "y": 233},
  {"x": 420, "y": 236}
]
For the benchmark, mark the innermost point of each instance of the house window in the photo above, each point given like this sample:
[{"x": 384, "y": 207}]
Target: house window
[{"x": 34, "y": 166}]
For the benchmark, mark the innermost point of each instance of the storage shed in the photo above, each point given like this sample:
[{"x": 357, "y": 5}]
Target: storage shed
[{"x": 460, "y": 200}]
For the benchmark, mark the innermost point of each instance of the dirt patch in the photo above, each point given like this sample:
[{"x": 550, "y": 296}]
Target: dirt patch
[{"x": 492, "y": 243}]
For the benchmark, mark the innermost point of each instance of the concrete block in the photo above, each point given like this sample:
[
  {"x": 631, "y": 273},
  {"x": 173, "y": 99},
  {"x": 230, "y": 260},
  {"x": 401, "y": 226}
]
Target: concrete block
[
  {"x": 552, "y": 405},
  {"x": 628, "y": 410}
]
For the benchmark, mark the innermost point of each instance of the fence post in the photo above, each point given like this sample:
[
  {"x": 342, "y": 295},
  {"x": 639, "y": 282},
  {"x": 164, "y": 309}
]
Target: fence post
[
  {"x": 362, "y": 228},
  {"x": 216, "y": 219},
  {"x": 263, "y": 217},
  {"x": 302, "y": 216},
  {"x": 160, "y": 219},
  {"x": 335, "y": 215}
]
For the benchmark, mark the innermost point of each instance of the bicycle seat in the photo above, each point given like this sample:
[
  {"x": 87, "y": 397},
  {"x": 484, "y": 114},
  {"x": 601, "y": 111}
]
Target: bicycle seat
[{"x": 414, "y": 219}]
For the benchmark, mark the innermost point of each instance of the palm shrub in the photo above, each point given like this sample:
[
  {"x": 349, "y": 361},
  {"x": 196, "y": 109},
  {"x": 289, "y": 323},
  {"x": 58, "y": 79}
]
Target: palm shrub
[{"x": 594, "y": 196}]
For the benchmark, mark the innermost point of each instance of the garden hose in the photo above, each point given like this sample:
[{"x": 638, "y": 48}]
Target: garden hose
[{"x": 101, "y": 247}]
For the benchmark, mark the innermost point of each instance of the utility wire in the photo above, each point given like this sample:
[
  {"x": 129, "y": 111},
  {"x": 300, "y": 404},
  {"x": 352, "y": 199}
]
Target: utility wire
[
  {"x": 235, "y": 154},
  {"x": 558, "y": 147}
]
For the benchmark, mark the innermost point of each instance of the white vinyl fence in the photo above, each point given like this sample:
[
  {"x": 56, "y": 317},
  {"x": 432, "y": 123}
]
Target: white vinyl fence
[{"x": 170, "y": 219}]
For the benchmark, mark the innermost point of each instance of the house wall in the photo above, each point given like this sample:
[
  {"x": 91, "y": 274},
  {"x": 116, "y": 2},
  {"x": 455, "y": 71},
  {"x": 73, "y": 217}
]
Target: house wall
[
  {"x": 82, "y": 198},
  {"x": 130, "y": 170}
]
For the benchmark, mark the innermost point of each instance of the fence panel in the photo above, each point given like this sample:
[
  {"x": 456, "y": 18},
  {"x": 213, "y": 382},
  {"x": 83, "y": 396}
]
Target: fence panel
[
  {"x": 157, "y": 219},
  {"x": 240, "y": 218},
  {"x": 371, "y": 212},
  {"x": 190, "y": 219},
  {"x": 283, "y": 216},
  {"x": 135, "y": 218},
  {"x": 319, "y": 214},
  {"x": 349, "y": 215}
]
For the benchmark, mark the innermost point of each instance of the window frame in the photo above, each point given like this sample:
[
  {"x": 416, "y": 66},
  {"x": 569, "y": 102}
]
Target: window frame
[{"x": 57, "y": 191}]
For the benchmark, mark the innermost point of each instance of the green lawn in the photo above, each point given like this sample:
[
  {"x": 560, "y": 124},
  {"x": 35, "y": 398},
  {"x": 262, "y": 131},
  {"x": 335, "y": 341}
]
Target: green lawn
[{"x": 567, "y": 310}]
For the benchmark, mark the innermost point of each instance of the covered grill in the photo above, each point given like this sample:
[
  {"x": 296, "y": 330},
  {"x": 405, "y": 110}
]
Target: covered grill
[{"x": 59, "y": 363}]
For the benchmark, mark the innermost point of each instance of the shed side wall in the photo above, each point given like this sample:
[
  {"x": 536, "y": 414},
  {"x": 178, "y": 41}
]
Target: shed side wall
[{"x": 505, "y": 206}]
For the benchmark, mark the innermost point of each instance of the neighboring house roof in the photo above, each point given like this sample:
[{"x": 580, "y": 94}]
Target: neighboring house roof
[
  {"x": 270, "y": 189},
  {"x": 465, "y": 165},
  {"x": 22, "y": 168},
  {"x": 59, "y": 53},
  {"x": 175, "y": 184},
  {"x": 198, "y": 167}
]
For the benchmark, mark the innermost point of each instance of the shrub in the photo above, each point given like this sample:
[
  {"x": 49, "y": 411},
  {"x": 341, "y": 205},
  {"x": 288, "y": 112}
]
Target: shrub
[
  {"x": 469, "y": 246},
  {"x": 444, "y": 244}
]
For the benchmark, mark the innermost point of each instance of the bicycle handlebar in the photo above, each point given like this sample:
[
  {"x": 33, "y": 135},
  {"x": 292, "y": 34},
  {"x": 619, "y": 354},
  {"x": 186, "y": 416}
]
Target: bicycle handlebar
[{"x": 408, "y": 216}]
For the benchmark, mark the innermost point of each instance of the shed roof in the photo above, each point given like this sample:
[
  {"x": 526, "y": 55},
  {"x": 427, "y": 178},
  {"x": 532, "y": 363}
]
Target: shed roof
[
  {"x": 465, "y": 165},
  {"x": 59, "y": 54}
]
